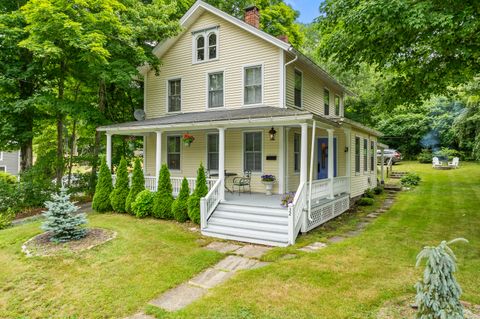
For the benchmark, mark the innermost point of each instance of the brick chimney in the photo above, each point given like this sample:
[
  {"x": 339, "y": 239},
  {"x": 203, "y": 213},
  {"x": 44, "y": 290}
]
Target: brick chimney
[
  {"x": 283, "y": 37},
  {"x": 252, "y": 16}
]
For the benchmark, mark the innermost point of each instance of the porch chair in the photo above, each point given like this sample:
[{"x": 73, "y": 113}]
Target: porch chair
[
  {"x": 436, "y": 162},
  {"x": 454, "y": 163},
  {"x": 242, "y": 182}
]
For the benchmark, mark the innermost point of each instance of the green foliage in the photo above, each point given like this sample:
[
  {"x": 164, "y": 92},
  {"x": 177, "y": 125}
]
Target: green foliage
[
  {"x": 143, "y": 204},
  {"x": 35, "y": 187},
  {"x": 365, "y": 201},
  {"x": 438, "y": 293},
  {"x": 180, "y": 205},
  {"x": 201, "y": 190},
  {"x": 138, "y": 185},
  {"x": 450, "y": 153},
  {"x": 378, "y": 190},
  {"x": 101, "y": 199},
  {"x": 410, "y": 180},
  {"x": 6, "y": 218},
  {"x": 62, "y": 220},
  {"x": 162, "y": 206},
  {"x": 9, "y": 196},
  {"x": 369, "y": 193},
  {"x": 118, "y": 197},
  {"x": 7, "y": 178},
  {"x": 425, "y": 156}
]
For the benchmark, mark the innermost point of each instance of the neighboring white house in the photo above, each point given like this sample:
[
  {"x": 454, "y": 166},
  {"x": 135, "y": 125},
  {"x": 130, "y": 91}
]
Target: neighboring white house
[
  {"x": 10, "y": 162},
  {"x": 254, "y": 104}
]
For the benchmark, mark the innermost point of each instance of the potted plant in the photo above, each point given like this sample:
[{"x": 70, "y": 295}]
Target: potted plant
[
  {"x": 287, "y": 199},
  {"x": 188, "y": 139},
  {"x": 268, "y": 180}
]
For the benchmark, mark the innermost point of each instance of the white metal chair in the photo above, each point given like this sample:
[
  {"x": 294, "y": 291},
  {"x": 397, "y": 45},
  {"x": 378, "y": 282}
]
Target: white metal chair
[
  {"x": 454, "y": 163},
  {"x": 436, "y": 162}
]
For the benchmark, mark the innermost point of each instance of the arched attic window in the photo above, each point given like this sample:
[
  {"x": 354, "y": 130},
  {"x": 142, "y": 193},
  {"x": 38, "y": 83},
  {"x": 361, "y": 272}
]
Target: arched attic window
[
  {"x": 212, "y": 46},
  {"x": 200, "y": 48}
]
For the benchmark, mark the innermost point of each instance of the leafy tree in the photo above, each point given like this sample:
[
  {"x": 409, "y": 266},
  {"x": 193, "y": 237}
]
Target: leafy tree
[
  {"x": 179, "y": 206},
  {"x": 118, "y": 197},
  {"x": 438, "y": 293},
  {"x": 201, "y": 190},
  {"x": 62, "y": 219},
  {"x": 138, "y": 185},
  {"x": 101, "y": 199},
  {"x": 143, "y": 204},
  {"x": 162, "y": 205}
]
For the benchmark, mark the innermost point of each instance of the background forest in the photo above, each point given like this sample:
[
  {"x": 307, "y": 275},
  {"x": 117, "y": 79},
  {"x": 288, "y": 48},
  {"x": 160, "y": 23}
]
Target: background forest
[{"x": 69, "y": 66}]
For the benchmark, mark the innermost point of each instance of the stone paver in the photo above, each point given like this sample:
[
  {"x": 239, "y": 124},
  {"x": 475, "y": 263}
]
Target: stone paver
[
  {"x": 179, "y": 297},
  {"x": 252, "y": 251},
  {"x": 313, "y": 247},
  {"x": 222, "y": 247},
  {"x": 336, "y": 239},
  {"x": 288, "y": 256},
  {"x": 210, "y": 278},
  {"x": 362, "y": 225},
  {"x": 372, "y": 215},
  {"x": 234, "y": 263},
  {"x": 140, "y": 315},
  {"x": 353, "y": 233}
]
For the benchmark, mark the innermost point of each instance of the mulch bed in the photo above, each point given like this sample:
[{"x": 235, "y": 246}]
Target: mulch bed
[
  {"x": 29, "y": 212},
  {"x": 41, "y": 245}
]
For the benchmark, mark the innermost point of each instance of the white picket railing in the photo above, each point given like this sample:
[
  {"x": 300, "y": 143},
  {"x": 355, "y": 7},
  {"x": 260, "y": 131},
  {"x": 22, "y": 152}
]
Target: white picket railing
[
  {"x": 320, "y": 189},
  {"x": 151, "y": 183},
  {"x": 296, "y": 211},
  {"x": 340, "y": 185},
  {"x": 209, "y": 203}
]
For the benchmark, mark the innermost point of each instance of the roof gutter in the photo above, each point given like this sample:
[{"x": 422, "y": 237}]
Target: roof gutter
[{"x": 291, "y": 50}]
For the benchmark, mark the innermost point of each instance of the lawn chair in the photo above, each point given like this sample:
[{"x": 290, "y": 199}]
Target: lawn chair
[
  {"x": 242, "y": 182},
  {"x": 454, "y": 163},
  {"x": 436, "y": 162}
]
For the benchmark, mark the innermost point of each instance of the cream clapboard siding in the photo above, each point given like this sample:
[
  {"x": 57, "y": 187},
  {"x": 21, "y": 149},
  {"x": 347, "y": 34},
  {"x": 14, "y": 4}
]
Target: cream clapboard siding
[
  {"x": 237, "y": 48},
  {"x": 312, "y": 91},
  {"x": 196, "y": 153},
  {"x": 360, "y": 181}
]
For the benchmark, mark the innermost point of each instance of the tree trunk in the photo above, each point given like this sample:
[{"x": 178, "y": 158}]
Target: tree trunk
[
  {"x": 102, "y": 102},
  {"x": 72, "y": 147},
  {"x": 60, "y": 153},
  {"x": 26, "y": 90}
]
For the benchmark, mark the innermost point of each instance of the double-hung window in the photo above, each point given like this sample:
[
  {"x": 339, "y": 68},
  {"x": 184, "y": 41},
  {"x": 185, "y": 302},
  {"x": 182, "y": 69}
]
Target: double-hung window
[
  {"x": 205, "y": 45},
  {"x": 298, "y": 88},
  {"x": 337, "y": 105},
  {"x": 215, "y": 90},
  {"x": 365, "y": 155},
  {"x": 252, "y": 152},
  {"x": 212, "y": 152},
  {"x": 296, "y": 152},
  {"x": 357, "y": 154},
  {"x": 174, "y": 95},
  {"x": 326, "y": 102},
  {"x": 173, "y": 152},
  {"x": 253, "y": 85},
  {"x": 3, "y": 169},
  {"x": 372, "y": 156}
]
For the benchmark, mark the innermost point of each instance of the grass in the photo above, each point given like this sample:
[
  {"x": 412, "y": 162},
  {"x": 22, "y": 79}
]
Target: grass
[
  {"x": 113, "y": 280},
  {"x": 354, "y": 278}
]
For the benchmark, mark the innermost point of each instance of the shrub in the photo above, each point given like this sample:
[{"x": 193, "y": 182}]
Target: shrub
[
  {"x": 438, "y": 293},
  {"x": 411, "y": 179},
  {"x": 8, "y": 178},
  {"x": 451, "y": 153},
  {"x": 162, "y": 203},
  {"x": 201, "y": 190},
  {"x": 365, "y": 201},
  {"x": 62, "y": 220},
  {"x": 119, "y": 195},
  {"x": 6, "y": 218},
  {"x": 143, "y": 204},
  {"x": 378, "y": 190},
  {"x": 35, "y": 187},
  {"x": 179, "y": 206},
  {"x": 101, "y": 199},
  {"x": 9, "y": 197},
  {"x": 425, "y": 156},
  {"x": 138, "y": 185},
  {"x": 368, "y": 193}
]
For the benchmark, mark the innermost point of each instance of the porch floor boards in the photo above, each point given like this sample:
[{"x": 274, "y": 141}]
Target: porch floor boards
[{"x": 254, "y": 199}]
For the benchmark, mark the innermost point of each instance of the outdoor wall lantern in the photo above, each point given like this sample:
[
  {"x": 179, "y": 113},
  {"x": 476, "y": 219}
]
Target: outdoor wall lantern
[
  {"x": 346, "y": 149},
  {"x": 272, "y": 133}
]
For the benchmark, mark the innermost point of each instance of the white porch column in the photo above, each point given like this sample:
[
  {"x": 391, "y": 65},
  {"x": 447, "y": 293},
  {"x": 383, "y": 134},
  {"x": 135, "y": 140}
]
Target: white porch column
[
  {"x": 109, "y": 150},
  {"x": 382, "y": 159},
  {"x": 330, "y": 161},
  {"x": 303, "y": 153},
  {"x": 158, "y": 154},
  {"x": 281, "y": 159},
  {"x": 221, "y": 161}
]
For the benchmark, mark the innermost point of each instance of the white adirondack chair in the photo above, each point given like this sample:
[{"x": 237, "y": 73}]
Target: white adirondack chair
[
  {"x": 454, "y": 163},
  {"x": 436, "y": 162}
]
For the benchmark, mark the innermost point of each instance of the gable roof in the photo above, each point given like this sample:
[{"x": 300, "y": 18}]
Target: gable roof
[{"x": 199, "y": 7}]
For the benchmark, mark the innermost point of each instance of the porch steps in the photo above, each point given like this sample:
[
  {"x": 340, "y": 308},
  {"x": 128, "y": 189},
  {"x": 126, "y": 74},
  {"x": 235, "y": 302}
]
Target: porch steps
[{"x": 245, "y": 223}]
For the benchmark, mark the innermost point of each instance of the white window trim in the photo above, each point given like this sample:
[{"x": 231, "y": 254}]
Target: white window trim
[
  {"x": 336, "y": 140},
  {"x": 373, "y": 152},
  {"x": 1, "y": 156},
  {"x": 329, "y": 101},
  {"x": 299, "y": 152},
  {"x": 181, "y": 151},
  {"x": 243, "y": 151},
  {"x": 207, "y": 107},
  {"x": 261, "y": 65},
  {"x": 205, "y": 32},
  {"x": 359, "y": 157},
  {"x": 301, "y": 90},
  {"x": 5, "y": 167},
  {"x": 167, "y": 94},
  {"x": 339, "y": 105},
  {"x": 206, "y": 150},
  {"x": 365, "y": 171}
]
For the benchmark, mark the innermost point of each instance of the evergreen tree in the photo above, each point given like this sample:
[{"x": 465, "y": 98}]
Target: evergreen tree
[
  {"x": 162, "y": 204},
  {"x": 62, "y": 220},
  {"x": 119, "y": 195},
  {"x": 138, "y": 185},
  {"x": 101, "y": 199},
  {"x": 438, "y": 293},
  {"x": 201, "y": 190},
  {"x": 179, "y": 206}
]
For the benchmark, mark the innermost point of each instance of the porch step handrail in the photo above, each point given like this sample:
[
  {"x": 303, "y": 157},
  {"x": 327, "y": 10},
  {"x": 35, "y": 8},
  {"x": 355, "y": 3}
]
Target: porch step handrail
[
  {"x": 296, "y": 210},
  {"x": 209, "y": 203}
]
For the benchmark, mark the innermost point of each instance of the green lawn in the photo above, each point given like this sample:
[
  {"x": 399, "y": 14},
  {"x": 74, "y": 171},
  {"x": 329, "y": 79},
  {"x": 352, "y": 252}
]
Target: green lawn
[{"x": 110, "y": 281}]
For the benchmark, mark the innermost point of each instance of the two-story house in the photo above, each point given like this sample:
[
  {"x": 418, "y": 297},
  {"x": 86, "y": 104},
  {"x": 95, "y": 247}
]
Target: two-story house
[
  {"x": 255, "y": 105},
  {"x": 10, "y": 162}
]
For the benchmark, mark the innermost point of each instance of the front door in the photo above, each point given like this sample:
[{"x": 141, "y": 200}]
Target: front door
[{"x": 322, "y": 164}]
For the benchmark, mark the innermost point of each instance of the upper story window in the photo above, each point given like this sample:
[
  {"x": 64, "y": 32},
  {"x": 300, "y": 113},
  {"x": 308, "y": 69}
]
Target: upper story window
[
  {"x": 252, "y": 85},
  {"x": 174, "y": 95},
  {"x": 298, "y": 88},
  {"x": 215, "y": 90},
  {"x": 205, "y": 45},
  {"x": 326, "y": 102},
  {"x": 337, "y": 105}
]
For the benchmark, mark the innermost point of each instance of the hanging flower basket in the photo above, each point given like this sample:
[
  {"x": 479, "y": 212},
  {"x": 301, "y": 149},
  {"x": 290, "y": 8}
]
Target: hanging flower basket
[{"x": 188, "y": 139}]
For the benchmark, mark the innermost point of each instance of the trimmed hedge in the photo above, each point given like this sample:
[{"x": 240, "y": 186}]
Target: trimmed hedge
[
  {"x": 143, "y": 204},
  {"x": 103, "y": 189},
  {"x": 201, "y": 190},
  {"x": 138, "y": 185},
  {"x": 119, "y": 195},
  {"x": 162, "y": 203},
  {"x": 179, "y": 206}
]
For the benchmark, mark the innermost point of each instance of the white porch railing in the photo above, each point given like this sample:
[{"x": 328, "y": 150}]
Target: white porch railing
[
  {"x": 209, "y": 203},
  {"x": 320, "y": 189},
  {"x": 296, "y": 211},
  {"x": 341, "y": 185},
  {"x": 151, "y": 183}
]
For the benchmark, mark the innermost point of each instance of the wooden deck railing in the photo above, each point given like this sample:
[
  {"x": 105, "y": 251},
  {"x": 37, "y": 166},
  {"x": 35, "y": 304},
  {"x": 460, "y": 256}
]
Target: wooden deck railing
[{"x": 296, "y": 212}]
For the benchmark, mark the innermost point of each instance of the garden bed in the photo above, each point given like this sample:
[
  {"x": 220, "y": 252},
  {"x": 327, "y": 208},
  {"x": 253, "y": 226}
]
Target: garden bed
[{"x": 41, "y": 245}]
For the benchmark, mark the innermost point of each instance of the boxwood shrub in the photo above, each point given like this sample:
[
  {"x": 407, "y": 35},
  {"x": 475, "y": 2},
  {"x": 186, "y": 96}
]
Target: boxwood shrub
[{"x": 143, "y": 204}]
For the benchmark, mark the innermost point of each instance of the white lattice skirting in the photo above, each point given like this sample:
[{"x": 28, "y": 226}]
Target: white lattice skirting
[{"x": 324, "y": 212}]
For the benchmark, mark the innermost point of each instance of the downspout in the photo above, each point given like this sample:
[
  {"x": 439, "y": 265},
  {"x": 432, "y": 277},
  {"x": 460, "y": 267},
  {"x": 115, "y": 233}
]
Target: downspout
[
  {"x": 290, "y": 49},
  {"x": 312, "y": 151}
]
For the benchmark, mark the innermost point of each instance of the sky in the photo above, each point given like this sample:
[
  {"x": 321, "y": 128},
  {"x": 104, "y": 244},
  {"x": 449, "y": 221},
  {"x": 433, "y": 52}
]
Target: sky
[{"x": 308, "y": 9}]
